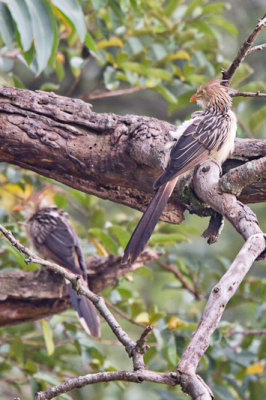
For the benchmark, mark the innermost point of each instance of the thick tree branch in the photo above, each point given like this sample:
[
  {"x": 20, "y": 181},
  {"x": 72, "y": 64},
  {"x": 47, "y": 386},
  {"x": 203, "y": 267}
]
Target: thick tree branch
[
  {"x": 237, "y": 178},
  {"x": 219, "y": 297},
  {"x": 113, "y": 157},
  {"x": 206, "y": 184},
  {"x": 243, "y": 51},
  {"x": 195, "y": 388},
  {"x": 79, "y": 285},
  {"x": 31, "y": 295},
  {"x": 128, "y": 376}
]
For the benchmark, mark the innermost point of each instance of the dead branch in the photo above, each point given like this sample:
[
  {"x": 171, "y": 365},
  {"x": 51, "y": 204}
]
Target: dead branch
[
  {"x": 237, "y": 178},
  {"x": 219, "y": 297},
  {"x": 247, "y": 94},
  {"x": 256, "y": 48},
  {"x": 31, "y": 295},
  {"x": 134, "y": 350},
  {"x": 180, "y": 277},
  {"x": 243, "y": 51},
  {"x": 113, "y": 157},
  {"x": 128, "y": 376}
]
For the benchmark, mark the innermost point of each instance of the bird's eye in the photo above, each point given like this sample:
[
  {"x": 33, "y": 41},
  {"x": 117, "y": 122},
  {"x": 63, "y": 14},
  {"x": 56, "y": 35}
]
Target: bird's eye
[{"x": 203, "y": 91}]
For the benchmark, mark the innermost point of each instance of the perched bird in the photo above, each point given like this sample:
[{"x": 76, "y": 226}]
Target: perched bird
[
  {"x": 208, "y": 135},
  {"x": 54, "y": 238}
]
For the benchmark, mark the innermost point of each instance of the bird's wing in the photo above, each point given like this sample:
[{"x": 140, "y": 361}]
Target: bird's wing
[
  {"x": 57, "y": 240},
  {"x": 203, "y": 135}
]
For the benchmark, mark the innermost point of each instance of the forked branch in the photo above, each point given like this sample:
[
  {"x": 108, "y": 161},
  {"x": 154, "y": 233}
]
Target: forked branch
[{"x": 244, "y": 50}]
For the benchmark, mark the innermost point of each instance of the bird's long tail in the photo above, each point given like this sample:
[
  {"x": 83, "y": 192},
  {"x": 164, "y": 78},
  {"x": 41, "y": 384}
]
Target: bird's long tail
[
  {"x": 148, "y": 221},
  {"x": 86, "y": 312}
]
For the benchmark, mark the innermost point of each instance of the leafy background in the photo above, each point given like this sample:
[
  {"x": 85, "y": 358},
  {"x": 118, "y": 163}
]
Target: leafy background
[{"x": 152, "y": 54}]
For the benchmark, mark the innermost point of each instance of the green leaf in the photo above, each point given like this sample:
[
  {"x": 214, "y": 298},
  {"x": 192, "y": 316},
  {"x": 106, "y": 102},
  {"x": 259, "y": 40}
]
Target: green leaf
[
  {"x": 242, "y": 73},
  {"x": 223, "y": 23},
  {"x": 30, "y": 367},
  {"x": 258, "y": 117},
  {"x": 223, "y": 392},
  {"x": 170, "y": 97},
  {"x": 48, "y": 337},
  {"x": 7, "y": 28},
  {"x": 29, "y": 55},
  {"x": 16, "y": 350},
  {"x": 73, "y": 12},
  {"x": 22, "y": 17},
  {"x": 49, "y": 86},
  {"x": 147, "y": 71},
  {"x": 192, "y": 5},
  {"x": 170, "y": 7},
  {"x": 89, "y": 42},
  {"x": 43, "y": 29},
  {"x": 106, "y": 240},
  {"x": 167, "y": 238},
  {"x": 98, "y": 4},
  {"x": 213, "y": 8},
  {"x": 122, "y": 235}
]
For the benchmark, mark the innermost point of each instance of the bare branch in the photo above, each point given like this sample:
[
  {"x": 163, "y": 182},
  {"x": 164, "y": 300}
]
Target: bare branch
[
  {"x": 78, "y": 285},
  {"x": 247, "y": 94},
  {"x": 256, "y": 48},
  {"x": 123, "y": 315},
  {"x": 141, "y": 341},
  {"x": 111, "y": 93},
  {"x": 180, "y": 277},
  {"x": 237, "y": 178},
  {"x": 206, "y": 184},
  {"x": 243, "y": 51},
  {"x": 31, "y": 295},
  {"x": 128, "y": 376},
  {"x": 246, "y": 332},
  {"x": 219, "y": 297}
]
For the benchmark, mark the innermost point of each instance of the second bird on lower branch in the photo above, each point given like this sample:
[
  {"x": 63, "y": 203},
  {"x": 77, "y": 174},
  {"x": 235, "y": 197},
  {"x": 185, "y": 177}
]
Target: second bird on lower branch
[
  {"x": 208, "y": 135},
  {"x": 54, "y": 238}
]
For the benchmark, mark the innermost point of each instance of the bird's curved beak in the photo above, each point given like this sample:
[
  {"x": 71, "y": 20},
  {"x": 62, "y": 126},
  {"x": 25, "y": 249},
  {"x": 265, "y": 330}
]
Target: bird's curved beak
[
  {"x": 17, "y": 207},
  {"x": 193, "y": 98}
]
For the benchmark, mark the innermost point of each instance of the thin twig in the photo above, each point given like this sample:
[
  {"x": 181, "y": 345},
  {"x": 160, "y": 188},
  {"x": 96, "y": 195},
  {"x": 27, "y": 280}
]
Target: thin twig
[
  {"x": 78, "y": 285},
  {"x": 245, "y": 129},
  {"x": 111, "y": 93},
  {"x": 246, "y": 332},
  {"x": 243, "y": 51},
  {"x": 141, "y": 341},
  {"x": 256, "y": 48},
  {"x": 123, "y": 315},
  {"x": 237, "y": 178},
  {"x": 180, "y": 277},
  {"x": 247, "y": 94},
  {"x": 128, "y": 376}
]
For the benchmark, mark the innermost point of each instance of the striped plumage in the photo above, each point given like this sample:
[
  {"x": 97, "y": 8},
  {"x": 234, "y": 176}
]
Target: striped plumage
[
  {"x": 209, "y": 134},
  {"x": 54, "y": 238}
]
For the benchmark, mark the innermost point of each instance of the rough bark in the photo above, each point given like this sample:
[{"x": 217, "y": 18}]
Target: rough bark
[
  {"x": 113, "y": 157},
  {"x": 32, "y": 295}
]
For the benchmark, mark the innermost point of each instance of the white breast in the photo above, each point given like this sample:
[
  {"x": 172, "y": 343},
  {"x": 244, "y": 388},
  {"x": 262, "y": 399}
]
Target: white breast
[{"x": 227, "y": 149}]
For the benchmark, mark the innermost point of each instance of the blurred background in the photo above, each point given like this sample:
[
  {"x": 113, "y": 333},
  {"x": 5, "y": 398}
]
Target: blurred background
[{"x": 147, "y": 58}]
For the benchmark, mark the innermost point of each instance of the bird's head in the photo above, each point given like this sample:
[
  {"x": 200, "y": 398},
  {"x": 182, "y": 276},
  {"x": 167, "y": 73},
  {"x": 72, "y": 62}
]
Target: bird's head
[
  {"x": 213, "y": 95},
  {"x": 36, "y": 201}
]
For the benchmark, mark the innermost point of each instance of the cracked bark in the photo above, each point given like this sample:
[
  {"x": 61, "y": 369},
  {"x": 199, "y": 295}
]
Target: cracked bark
[
  {"x": 31, "y": 295},
  {"x": 113, "y": 157}
]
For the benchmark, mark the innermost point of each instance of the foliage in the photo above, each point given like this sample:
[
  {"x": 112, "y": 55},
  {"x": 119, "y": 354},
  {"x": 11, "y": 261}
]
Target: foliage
[
  {"x": 80, "y": 48},
  {"x": 39, "y": 354}
]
